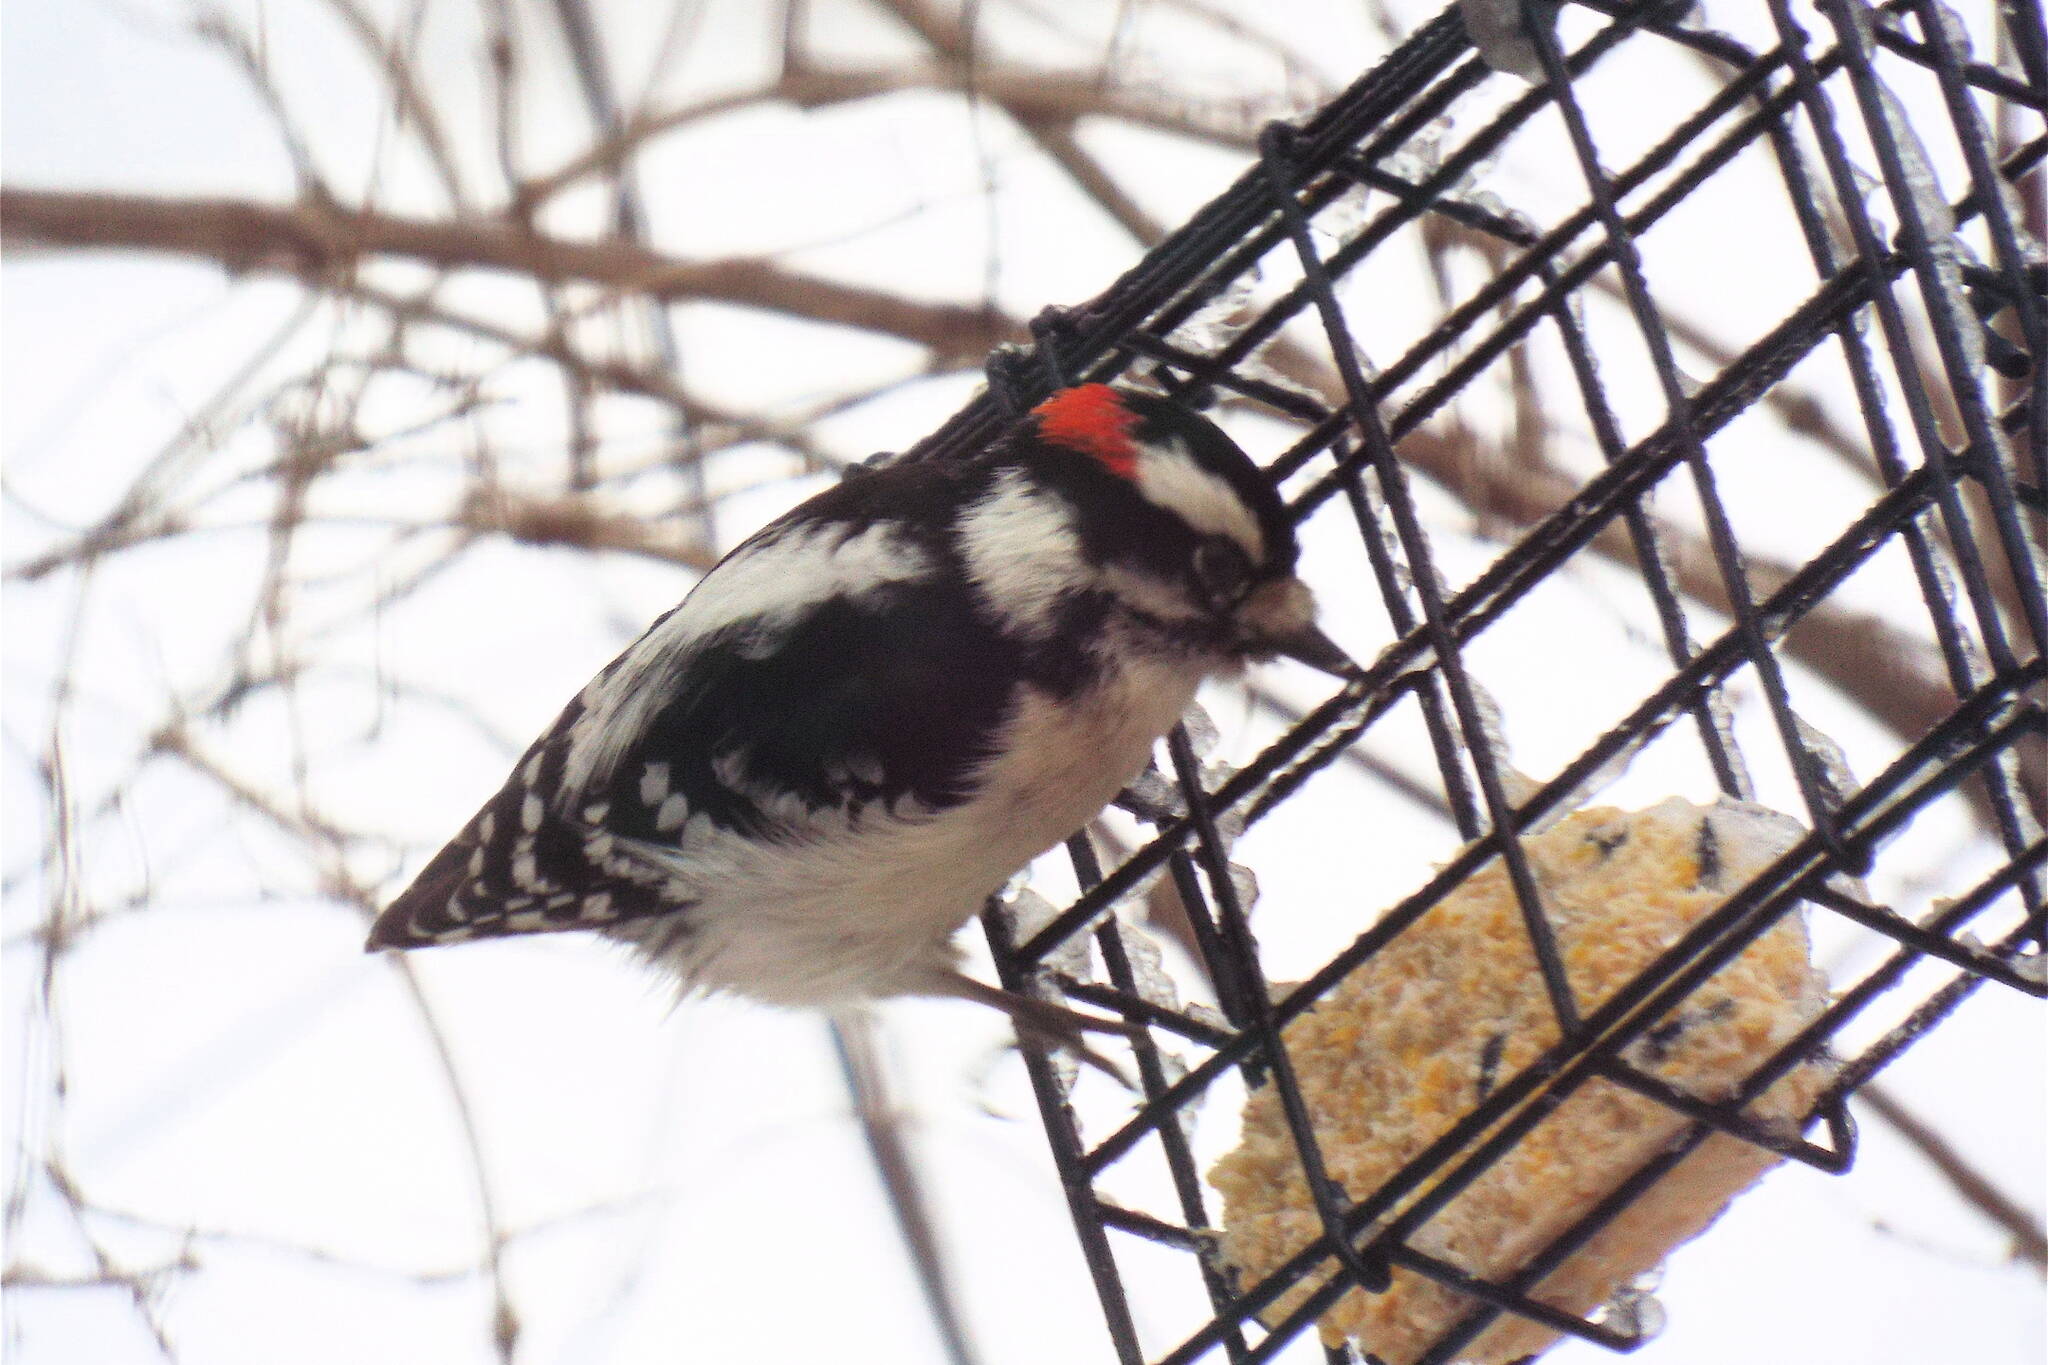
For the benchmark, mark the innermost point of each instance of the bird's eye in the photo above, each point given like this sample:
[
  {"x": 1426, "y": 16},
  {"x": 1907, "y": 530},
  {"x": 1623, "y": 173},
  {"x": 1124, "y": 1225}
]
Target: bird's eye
[{"x": 1223, "y": 571}]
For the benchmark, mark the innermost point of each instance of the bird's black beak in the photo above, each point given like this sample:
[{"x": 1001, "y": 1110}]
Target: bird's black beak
[
  {"x": 1310, "y": 646},
  {"x": 1279, "y": 617}
]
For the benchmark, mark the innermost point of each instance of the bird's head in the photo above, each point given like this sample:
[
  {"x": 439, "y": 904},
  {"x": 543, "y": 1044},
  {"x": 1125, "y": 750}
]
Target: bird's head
[{"x": 1184, "y": 532}]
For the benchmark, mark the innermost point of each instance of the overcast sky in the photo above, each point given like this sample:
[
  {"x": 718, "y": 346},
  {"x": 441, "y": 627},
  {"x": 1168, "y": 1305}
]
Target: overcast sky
[{"x": 686, "y": 1182}]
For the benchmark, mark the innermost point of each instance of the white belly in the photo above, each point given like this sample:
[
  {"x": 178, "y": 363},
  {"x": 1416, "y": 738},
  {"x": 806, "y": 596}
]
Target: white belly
[{"x": 861, "y": 910}]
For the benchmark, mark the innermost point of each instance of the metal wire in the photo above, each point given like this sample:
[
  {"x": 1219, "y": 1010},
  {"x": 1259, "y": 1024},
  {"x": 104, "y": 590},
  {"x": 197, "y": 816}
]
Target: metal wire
[{"x": 1961, "y": 493}]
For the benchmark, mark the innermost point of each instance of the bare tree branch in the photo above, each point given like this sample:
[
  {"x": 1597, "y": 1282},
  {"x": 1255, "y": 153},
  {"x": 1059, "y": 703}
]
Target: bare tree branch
[
  {"x": 409, "y": 97},
  {"x": 321, "y": 242},
  {"x": 1050, "y": 125},
  {"x": 882, "y": 1127},
  {"x": 2029, "y": 1243},
  {"x": 1033, "y": 97}
]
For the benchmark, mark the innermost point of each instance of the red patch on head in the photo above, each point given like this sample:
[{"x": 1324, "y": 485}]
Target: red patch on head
[{"x": 1092, "y": 419}]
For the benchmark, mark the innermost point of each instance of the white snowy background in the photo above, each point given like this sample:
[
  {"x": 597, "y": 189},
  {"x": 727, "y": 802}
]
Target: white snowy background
[{"x": 235, "y": 1138}]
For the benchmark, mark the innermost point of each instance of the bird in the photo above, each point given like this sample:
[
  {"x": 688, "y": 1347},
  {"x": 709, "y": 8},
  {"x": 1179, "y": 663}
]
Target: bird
[{"x": 860, "y": 724}]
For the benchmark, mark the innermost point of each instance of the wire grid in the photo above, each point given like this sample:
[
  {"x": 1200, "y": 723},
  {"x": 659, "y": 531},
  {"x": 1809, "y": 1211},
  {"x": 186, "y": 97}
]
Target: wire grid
[{"x": 1948, "y": 407}]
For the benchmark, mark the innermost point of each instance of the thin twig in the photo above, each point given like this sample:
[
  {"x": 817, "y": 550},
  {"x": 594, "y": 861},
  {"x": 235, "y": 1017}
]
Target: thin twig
[
  {"x": 2029, "y": 1242},
  {"x": 881, "y": 1126},
  {"x": 319, "y": 242}
]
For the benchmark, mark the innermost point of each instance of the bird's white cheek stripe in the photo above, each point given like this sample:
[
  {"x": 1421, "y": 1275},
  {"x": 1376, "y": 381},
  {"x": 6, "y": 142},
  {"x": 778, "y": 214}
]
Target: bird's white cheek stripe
[
  {"x": 1020, "y": 548},
  {"x": 1169, "y": 477}
]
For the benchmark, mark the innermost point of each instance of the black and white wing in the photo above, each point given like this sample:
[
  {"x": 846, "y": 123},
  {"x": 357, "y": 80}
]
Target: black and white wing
[{"x": 828, "y": 672}]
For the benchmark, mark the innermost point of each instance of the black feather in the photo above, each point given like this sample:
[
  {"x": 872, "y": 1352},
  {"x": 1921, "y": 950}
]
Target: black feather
[{"x": 889, "y": 697}]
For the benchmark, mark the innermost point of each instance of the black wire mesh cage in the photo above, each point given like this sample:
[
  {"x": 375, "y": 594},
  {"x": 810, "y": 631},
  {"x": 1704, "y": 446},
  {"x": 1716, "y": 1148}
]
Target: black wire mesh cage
[{"x": 1882, "y": 259}]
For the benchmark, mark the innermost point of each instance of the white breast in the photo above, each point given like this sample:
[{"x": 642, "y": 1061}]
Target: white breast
[{"x": 864, "y": 909}]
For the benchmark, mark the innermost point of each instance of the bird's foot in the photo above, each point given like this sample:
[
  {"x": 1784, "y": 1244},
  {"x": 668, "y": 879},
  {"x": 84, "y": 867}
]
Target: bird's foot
[{"x": 1045, "y": 1022}]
